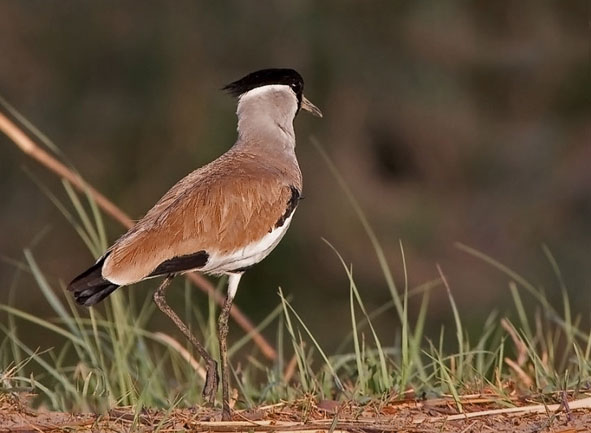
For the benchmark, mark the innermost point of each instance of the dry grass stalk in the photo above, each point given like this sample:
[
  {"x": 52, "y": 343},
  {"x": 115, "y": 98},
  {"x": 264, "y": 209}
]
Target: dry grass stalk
[
  {"x": 290, "y": 368},
  {"x": 520, "y": 346},
  {"x": 30, "y": 148},
  {"x": 178, "y": 347},
  {"x": 527, "y": 381},
  {"x": 584, "y": 403}
]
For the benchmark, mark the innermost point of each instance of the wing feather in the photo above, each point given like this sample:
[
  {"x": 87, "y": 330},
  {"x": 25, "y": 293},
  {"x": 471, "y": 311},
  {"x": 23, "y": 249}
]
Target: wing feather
[{"x": 216, "y": 209}]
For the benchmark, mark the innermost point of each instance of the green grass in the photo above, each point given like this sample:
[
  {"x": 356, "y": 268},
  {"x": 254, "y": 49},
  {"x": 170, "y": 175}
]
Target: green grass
[{"x": 110, "y": 356}]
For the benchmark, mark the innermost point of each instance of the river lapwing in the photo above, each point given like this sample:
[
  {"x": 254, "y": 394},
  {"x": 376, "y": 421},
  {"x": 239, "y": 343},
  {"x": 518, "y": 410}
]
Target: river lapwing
[{"x": 222, "y": 218}]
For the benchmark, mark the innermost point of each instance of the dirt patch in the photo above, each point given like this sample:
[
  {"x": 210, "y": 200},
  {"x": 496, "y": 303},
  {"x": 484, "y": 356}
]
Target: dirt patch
[{"x": 480, "y": 414}]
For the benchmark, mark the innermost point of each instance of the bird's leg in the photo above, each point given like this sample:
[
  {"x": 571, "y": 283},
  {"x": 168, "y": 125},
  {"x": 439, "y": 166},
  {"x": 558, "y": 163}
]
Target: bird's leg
[
  {"x": 222, "y": 335},
  {"x": 211, "y": 380}
]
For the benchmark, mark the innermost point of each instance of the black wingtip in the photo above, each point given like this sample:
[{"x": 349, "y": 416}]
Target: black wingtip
[
  {"x": 90, "y": 287},
  {"x": 94, "y": 295}
]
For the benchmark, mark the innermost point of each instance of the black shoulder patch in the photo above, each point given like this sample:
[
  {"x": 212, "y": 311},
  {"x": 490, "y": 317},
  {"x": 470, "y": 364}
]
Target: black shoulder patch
[
  {"x": 291, "y": 205},
  {"x": 181, "y": 264}
]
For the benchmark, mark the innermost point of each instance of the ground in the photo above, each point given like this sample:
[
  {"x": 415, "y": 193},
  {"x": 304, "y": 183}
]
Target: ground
[{"x": 481, "y": 414}]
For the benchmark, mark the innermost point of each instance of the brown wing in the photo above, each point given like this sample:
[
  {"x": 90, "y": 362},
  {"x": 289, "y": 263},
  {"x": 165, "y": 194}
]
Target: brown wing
[{"x": 218, "y": 208}]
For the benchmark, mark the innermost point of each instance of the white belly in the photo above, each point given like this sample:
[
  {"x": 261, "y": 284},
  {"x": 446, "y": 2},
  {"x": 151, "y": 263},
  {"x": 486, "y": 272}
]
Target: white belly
[{"x": 246, "y": 256}]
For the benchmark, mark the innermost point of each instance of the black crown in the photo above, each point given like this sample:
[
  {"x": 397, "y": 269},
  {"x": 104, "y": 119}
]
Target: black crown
[{"x": 265, "y": 77}]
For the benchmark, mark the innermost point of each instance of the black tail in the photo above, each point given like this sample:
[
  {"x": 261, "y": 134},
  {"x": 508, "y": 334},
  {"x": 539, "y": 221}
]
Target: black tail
[{"x": 90, "y": 287}]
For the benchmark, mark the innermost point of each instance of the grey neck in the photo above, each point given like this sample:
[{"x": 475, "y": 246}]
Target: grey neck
[{"x": 265, "y": 119}]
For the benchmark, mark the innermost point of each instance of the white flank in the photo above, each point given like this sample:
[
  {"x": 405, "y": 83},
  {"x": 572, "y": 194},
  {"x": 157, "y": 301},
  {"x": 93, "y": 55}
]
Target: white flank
[{"x": 246, "y": 256}]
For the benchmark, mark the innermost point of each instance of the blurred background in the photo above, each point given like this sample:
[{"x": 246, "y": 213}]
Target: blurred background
[{"x": 450, "y": 121}]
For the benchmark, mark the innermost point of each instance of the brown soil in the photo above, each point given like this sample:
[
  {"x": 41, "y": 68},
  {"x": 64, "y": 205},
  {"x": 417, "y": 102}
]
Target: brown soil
[{"x": 310, "y": 417}]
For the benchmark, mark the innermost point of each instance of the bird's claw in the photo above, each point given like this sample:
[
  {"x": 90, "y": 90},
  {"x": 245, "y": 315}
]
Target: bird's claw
[{"x": 210, "y": 388}]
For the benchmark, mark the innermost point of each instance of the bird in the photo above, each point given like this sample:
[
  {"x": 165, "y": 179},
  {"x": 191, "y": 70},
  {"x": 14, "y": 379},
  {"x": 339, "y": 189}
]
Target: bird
[{"x": 220, "y": 219}]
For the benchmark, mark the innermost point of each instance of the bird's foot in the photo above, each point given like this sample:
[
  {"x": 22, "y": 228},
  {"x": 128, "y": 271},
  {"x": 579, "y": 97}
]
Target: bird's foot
[
  {"x": 211, "y": 382},
  {"x": 226, "y": 413}
]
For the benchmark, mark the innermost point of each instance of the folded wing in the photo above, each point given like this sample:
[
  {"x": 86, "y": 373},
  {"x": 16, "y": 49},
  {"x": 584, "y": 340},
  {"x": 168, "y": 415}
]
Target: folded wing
[{"x": 210, "y": 213}]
